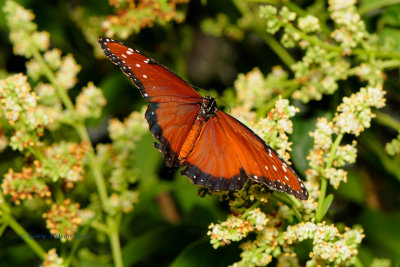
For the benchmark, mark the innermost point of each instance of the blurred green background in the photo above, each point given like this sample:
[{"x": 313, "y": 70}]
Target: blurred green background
[{"x": 170, "y": 222}]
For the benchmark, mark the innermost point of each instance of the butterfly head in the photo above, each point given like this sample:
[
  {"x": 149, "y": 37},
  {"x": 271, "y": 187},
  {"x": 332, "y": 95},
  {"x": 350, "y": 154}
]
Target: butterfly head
[{"x": 208, "y": 108}]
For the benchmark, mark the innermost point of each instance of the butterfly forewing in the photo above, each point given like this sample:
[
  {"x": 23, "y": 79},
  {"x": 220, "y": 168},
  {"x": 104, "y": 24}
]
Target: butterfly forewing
[{"x": 156, "y": 82}]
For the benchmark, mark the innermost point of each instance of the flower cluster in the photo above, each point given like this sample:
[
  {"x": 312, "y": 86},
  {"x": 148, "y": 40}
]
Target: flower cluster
[
  {"x": 350, "y": 29},
  {"x": 90, "y": 102},
  {"x": 52, "y": 259},
  {"x": 330, "y": 246},
  {"x": 132, "y": 16},
  {"x": 63, "y": 220},
  {"x": 276, "y": 20},
  {"x": 318, "y": 73},
  {"x": 321, "y": 159},
  {"x": 236, "y": 228},
  {"x": 308, "y": 24},
  {"x": 251, "y": 90},
  {"x": 67, "y": 72},
  {"x": 69, "y": 159},
  {"x": 393, "y": 147},
  {"x": 25, "y": 185},
  {"x": 124, "y": 136},
  {"x": 352, "y": 116},
  {"x": 273, "y": 129},
  {"x": 23, "y": 31},
  {"x": 355, "y": 114},
  {"x": 19, "y": 107},
  {"x": 49, "y": 101},
  {"x": 221, "y": 26},
  {"x": 122, "y": 202}
]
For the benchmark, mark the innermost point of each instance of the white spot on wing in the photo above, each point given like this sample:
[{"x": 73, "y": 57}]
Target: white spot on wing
[
  {"x": 129, "y": 52},
  {"x": 266, "y": 167},
  {"x": 146, "y": 60},
  {"x": 144, "y": 76},
  {"x": 122, "y": 55},
  {"x": 283, "y": 167},
  {"x": 138, "y": 65},
  {"x": 274, "y": 168},
  {"x": 286, "y": 178}
]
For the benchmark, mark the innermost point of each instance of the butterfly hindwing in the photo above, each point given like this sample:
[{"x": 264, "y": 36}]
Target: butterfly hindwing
[
  {"x": 170, "y": 123},
  {"x": 239, "y": 154}
]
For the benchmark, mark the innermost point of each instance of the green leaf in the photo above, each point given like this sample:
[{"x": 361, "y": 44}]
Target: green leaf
[{"x": 326, "y": 205}]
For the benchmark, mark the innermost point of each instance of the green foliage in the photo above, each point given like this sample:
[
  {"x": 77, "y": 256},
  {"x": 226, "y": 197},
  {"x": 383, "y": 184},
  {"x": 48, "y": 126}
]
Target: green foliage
[{"x": 82, "y": 185}]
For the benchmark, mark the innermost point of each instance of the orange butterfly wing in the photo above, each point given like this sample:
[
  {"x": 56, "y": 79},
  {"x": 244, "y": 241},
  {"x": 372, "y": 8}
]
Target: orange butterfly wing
[
  {"x": 170, "y": 123},
  {"x": 174, "y": 104},
  {"x": 155, "y": 81},
  {"x": 237, "y": 154}
]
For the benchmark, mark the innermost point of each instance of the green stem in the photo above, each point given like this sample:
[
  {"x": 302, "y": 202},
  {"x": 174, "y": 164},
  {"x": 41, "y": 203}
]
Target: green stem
[
  {"x": 387, "y": 120},
  {"x": 390, "y": 64},
  {"x": 23, "y": 234},
  {"x": 373, "y": 5},
  {"x": 100, "y": 227},
  {"x": 279, "y": 49},
  {"x": 115, "y": 243},
  {"x": 319, "y": 215}
]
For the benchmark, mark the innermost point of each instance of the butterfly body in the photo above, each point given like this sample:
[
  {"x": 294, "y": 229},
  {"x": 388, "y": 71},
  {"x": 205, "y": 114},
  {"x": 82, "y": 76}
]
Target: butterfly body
[{"x": 217, "y": 151}]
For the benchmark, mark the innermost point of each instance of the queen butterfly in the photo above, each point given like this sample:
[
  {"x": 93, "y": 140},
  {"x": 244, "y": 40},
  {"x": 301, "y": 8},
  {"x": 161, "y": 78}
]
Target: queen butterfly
[{"x": 217, "y": 151}]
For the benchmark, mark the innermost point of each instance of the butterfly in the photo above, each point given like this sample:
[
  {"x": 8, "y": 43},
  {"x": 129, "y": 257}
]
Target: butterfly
[{"x": 216, "y": 150}]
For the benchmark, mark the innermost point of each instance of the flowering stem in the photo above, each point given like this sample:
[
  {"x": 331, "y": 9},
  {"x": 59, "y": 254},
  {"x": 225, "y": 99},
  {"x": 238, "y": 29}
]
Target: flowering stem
[
  {"x": 319, "y": 215},
  {"x": 98, "y": 176}
]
